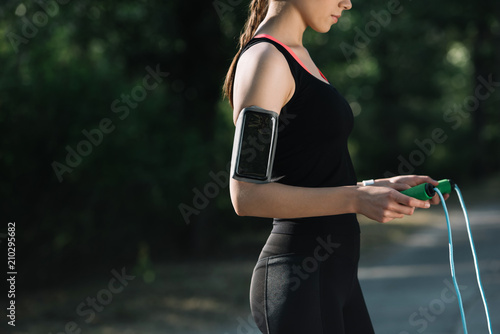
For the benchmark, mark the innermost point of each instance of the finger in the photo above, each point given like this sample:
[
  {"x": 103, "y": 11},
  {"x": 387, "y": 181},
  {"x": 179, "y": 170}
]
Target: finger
[
  {"x": 425, "y": 179},
  {"x": 436, "y": 200},
  {"x": 415, "y": 180},
  {"x": 384, "y": 220},
  {"x": 430, "y": 180},
  {"x": 401, "y": 210},
  {"x": 399, "y": 186},
  {"x": 410, "y": 201},
  {"x": 392, "y": 214}
]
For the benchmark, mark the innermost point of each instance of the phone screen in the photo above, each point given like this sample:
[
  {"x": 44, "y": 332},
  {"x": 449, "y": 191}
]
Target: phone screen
[{"x": 256, "y": 149}]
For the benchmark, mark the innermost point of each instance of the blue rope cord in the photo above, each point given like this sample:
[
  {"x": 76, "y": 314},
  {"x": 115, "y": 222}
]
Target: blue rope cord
[
  {"x": 473, "y": 250},
  {"x": 452, "y": 261}
]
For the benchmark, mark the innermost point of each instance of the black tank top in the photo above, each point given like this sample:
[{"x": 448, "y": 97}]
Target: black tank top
[{"x": 312, "y": 144}]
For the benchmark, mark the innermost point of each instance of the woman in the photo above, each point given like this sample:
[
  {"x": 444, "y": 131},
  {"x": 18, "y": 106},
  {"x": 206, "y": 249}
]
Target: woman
[{"x": 305, "y": 280}]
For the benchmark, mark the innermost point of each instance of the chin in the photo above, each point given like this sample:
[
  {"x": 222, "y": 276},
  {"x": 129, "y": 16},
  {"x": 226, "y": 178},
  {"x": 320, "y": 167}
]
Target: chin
[
  {"x": 321, "y": 26},
  {"x": 321, "y": 29}
]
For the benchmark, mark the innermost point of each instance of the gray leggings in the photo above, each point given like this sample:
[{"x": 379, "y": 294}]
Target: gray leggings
[{"x": 307, "y": 284}]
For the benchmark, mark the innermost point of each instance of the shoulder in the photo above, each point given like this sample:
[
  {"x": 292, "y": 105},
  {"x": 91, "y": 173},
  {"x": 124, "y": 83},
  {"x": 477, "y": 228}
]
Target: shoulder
[
  {"x": 264, "y": 53},
  {"x": 262, "y": 78}
]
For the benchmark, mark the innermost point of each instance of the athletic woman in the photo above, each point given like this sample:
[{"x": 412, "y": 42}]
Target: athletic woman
[{"x": 305, "y": 280}]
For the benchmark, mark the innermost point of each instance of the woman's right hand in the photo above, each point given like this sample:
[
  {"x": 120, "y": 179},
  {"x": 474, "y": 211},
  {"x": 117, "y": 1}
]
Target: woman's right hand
[{"x": 384, "y": 204}]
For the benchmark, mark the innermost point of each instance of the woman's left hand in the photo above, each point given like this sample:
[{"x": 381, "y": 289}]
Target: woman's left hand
[{"x": 404, "y": 182}]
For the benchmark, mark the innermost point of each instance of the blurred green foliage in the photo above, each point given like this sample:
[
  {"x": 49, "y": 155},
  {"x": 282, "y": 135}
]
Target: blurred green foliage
[{"x": 62, "y": 67}]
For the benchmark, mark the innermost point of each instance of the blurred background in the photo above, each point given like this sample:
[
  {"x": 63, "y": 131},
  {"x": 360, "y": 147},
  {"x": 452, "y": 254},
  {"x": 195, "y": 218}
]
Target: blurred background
[{"x": 115, "y": 143}]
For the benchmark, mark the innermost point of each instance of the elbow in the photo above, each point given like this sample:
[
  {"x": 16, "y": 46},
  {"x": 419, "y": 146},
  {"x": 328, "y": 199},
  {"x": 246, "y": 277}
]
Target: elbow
[
  {"x": 239, "y": 197},
  {"x": 239, "y": 206},
  {"x": 239, "y": 210}
]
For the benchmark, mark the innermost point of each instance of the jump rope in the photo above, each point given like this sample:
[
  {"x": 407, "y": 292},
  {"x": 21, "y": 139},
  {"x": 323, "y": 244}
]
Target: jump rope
[{"x": 426, "y": 191}]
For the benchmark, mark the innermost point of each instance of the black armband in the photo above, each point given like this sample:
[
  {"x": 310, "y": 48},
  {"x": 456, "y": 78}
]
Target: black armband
[{"x": 254, "y": 145}]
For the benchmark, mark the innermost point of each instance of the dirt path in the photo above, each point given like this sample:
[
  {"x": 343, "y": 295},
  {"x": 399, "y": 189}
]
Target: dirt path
[{"x": 411, "y": 290}]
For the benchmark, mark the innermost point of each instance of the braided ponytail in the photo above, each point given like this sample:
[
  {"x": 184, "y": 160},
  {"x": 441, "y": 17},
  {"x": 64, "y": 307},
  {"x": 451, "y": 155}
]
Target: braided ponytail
[{"x": 257, "y": 13}]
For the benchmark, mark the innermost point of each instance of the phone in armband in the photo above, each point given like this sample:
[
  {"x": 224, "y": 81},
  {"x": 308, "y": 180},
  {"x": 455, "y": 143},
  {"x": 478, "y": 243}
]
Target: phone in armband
[{"x": 254, "y": 145}]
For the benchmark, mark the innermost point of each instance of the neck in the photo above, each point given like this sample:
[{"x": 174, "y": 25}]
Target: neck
[{"x": 284, "y": 22}]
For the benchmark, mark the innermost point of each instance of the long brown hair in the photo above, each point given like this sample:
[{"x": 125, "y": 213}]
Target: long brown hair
[{"x": 257, "y": 13}]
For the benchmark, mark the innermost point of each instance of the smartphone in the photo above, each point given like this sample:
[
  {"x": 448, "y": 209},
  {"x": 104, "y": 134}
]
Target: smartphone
[{"x": 254, "y": 145}]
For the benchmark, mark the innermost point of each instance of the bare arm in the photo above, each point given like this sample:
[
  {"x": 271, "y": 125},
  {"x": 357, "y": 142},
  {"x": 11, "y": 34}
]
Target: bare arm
[{"x": 275, "y": 200}]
